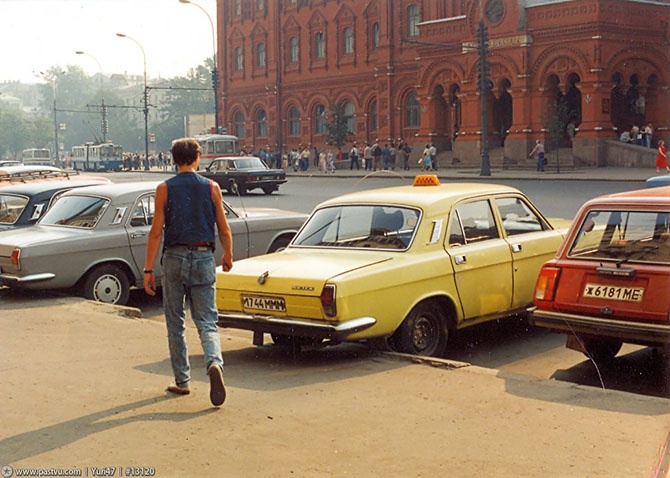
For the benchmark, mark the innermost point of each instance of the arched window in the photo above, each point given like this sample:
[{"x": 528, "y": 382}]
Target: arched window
[
  {"x": 348, "y": 41},
  {"x": 320, "y": 45},
  {"x": 412, "y": 116},
  {"x": 375, "y": 35},
  {"x": 238, "y": 124},
  {"x": 239, "y": 59},
  {"x": 320, "y": 124},
  {"x": 293, "y": 50},
  {"x": 349, "y": 116},
  {"x": 294, "y": 122},
  {"x": 372, "y": 116},
  {"x": 262, "y": 124},
  {"x": 413, "y": 20},
  {"x": 260, "y": 55}
]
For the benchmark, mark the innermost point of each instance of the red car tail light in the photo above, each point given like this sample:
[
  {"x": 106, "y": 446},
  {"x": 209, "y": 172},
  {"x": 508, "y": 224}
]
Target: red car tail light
[
  {"x": 547, "y": 281},
  {"x": 15, "y": 256},
  {"x": 328, "y": 300}
]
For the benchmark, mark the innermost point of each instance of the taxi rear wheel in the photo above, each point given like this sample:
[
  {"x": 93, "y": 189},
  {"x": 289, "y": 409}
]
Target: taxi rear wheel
[{"x": 423, "y": 332}]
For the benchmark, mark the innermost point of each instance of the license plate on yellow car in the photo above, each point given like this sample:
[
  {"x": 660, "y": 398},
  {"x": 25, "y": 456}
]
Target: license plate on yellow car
[
  {"x": 257, "y": 302},
  {"x": 631, "y": 294}
]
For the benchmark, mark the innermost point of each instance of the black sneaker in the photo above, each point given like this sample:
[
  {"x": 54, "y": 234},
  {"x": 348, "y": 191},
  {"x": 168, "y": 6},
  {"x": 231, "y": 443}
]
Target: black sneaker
[{"x": 217, "y": 389}]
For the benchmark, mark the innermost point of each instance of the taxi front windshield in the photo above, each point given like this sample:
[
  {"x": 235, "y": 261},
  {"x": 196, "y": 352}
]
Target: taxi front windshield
[
  {"x": 11, "y": 207},
  {"x": 360, "y": 226},
  {"x": 624, "y": 236}
]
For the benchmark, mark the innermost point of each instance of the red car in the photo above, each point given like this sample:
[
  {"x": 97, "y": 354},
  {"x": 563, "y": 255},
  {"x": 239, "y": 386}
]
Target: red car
[{"x": 610, "y": 280}]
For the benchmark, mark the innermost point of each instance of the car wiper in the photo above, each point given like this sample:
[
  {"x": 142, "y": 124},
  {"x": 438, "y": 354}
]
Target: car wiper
[
  {"x": 638, "y": 254},
  {"x": 612, "y": 251}
]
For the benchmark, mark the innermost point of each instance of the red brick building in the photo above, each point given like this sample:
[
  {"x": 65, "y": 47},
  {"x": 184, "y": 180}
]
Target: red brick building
[{"x": 409, "y": 69}]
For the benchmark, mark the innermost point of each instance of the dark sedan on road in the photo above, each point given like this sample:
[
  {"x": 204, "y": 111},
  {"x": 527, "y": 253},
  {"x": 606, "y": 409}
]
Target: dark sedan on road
[
  {"x": 244, "y": 173},
  {"x": 92, "y": 241}
]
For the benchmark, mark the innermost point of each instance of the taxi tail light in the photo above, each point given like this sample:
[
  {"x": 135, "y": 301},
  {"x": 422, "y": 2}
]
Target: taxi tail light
[
  {"x": 14, "y": 258},
  {"x": 328, "y": 300},
  {"x": 545, "y": 288}
]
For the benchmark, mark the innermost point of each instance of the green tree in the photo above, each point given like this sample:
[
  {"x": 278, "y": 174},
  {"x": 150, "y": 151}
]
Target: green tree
[
  {"x": 78, "y": 109},
  {"x": 191, "y": 94},
  {"x": 555, "y": 120},
  {"x": 337, "y": 127}
]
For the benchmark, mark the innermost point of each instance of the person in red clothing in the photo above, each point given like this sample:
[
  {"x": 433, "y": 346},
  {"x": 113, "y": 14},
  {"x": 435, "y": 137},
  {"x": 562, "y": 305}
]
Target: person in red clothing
[{"x": 662, "y": 157}]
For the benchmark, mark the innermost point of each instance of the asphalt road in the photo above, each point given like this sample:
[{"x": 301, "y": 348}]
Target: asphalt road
[{"x": 555, "y": 198}]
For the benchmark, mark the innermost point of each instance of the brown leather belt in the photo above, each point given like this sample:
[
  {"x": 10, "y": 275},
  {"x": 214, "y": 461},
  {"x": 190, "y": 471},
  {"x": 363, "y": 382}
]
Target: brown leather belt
[{"x": 197, "y": 246}]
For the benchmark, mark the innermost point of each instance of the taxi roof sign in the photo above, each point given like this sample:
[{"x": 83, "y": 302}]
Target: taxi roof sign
[{"x": 426, "y": 180}]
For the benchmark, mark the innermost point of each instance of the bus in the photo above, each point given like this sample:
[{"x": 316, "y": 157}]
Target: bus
[
  {"x": 216, "y": 146},
  {"x": 36, "y": 156},
  {"x": 97, "y": 157}
]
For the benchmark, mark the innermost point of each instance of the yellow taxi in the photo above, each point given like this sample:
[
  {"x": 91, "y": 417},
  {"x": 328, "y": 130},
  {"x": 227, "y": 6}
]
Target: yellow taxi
[{"x": 410, "y": 264}]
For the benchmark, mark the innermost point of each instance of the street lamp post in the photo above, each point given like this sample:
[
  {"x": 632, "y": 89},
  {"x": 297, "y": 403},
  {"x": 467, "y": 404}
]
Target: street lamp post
[
  {"x": 145, "y": 97},
  {"x": 215, "y": 72},
  {"x": 104, "y": 126},
  {"x": 53, "y": 90}
]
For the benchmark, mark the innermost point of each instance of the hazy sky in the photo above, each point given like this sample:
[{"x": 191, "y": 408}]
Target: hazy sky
[{"x": 38, "y": 34}]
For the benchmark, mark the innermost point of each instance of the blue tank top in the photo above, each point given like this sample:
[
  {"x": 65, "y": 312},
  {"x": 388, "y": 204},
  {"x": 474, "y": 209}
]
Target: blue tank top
[{"x": 190, "y": 214}]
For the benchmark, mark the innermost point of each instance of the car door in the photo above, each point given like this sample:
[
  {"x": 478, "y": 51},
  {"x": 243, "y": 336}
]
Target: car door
[
  {"x": 531, "y": 242},
  {"x": 137, "y": 227},
  {"x": 481, "y": 260}
]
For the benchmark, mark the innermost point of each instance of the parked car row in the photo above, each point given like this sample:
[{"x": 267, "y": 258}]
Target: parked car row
[
  {"x": 92, "y": 240},
  {"x": 412, "y": 265},
  {"x": 408, "y": 265}
]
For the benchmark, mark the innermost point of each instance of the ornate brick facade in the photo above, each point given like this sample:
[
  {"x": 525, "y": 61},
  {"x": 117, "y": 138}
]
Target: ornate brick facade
[{"x": 408, "y": 69}]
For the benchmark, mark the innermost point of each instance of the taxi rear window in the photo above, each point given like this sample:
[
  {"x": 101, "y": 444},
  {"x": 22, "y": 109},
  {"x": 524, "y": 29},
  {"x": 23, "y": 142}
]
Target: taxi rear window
[
  {"x": 623, "y": 236},
  {"x": 360, "y": 226}
]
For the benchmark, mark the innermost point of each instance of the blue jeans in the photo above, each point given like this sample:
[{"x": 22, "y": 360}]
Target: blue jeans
[{"x": 190, "y": 275}]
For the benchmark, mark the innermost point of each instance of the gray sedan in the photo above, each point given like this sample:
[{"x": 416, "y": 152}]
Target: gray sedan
[{"x": 92, "y": 241}]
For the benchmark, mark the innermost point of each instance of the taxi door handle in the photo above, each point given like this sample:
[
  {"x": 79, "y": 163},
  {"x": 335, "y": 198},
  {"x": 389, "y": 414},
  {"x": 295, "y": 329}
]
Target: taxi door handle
[
  {"x": 135, "y": 235},
  {"x": 516, "y": 247},
  {"x": 460, "y": 260}
]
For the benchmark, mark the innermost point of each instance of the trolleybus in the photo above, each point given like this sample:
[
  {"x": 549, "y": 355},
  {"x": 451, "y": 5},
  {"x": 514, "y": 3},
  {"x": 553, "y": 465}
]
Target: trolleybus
[{"x": 97, "y": 157}]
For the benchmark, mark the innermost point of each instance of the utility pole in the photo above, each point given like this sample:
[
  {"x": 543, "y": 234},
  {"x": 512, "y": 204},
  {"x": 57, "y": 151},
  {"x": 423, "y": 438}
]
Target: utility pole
[{"x": 484, "y": 77}]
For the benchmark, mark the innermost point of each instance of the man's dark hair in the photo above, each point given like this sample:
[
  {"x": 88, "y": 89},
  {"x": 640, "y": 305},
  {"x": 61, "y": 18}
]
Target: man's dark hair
[{"x": 185, "y": 151}]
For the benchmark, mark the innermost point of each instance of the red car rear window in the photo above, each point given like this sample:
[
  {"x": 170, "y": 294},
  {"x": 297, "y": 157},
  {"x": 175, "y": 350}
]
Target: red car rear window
[{"x": 625, "y": 236}]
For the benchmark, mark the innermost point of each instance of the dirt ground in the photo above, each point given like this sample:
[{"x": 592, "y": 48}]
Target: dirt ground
[{"x": 83, "y": 389}]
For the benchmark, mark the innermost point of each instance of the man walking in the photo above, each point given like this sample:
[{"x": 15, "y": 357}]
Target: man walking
[{"x": 187, "y": 208}]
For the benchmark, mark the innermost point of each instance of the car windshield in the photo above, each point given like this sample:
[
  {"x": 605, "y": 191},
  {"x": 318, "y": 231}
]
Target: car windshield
[
  {"x": 360, "y": 226},
  {"x": 11, "y": 207},
  {"x": 76, "y": 211},
  {"x": 249, "y": 163},
  {"x": 624, "y": 236}
]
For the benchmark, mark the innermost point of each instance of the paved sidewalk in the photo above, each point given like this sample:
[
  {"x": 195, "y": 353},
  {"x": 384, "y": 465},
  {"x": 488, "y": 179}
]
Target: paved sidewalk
[
  {"x": 83, "y": 386},
  {"x": 450, "y": 172}
]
